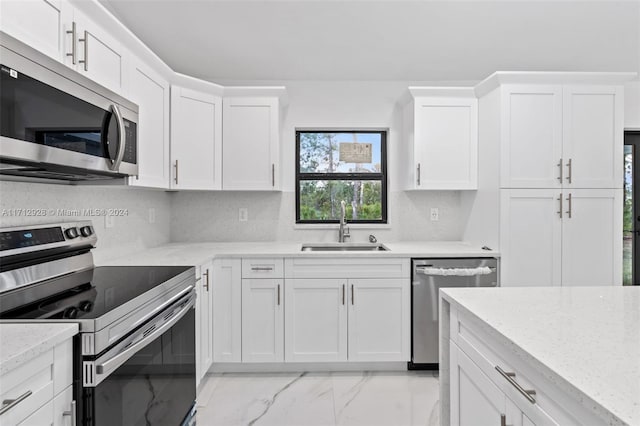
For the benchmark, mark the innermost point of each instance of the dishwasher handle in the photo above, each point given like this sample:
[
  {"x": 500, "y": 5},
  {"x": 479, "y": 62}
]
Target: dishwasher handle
[{"x": 457, "y": 272}]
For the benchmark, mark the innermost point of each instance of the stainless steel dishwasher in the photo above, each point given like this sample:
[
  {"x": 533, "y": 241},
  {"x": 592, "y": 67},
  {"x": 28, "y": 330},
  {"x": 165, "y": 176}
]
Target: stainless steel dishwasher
[{"x": 428, "y": 276}]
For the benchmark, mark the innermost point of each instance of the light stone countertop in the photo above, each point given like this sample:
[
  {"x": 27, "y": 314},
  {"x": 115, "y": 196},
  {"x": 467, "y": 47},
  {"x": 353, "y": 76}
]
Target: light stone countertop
[
  {"x": 21, "y": 342},
  {"x": 584, "y": 339},
  {"x": 192, "y": 254}
]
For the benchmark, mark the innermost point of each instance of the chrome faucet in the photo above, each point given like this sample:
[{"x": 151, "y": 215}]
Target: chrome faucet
[{"x": 343, "y": 231}]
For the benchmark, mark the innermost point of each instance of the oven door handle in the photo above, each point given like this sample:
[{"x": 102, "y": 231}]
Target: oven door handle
[{"x": 106, "y": 367}]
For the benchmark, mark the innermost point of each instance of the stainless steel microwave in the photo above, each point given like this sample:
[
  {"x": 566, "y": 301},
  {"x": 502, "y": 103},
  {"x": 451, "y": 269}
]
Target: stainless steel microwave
[{"x": 56, "y": 124}]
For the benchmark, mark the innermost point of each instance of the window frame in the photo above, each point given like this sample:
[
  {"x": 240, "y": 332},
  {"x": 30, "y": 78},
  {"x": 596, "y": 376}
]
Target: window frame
[{"x": 382, "y": 177}]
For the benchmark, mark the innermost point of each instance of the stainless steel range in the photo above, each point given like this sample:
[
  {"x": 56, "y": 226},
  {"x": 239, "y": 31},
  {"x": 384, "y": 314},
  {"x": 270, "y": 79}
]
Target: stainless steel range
[{"x": 134, "y": 359}]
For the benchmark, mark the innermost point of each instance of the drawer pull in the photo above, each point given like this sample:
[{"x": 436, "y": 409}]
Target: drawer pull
[
  {"x": 71, "y": 413},
  {"x": 262, "y": 268},
  {"x": 8, "y": 404},
  {"x": 510, "y": 378}
]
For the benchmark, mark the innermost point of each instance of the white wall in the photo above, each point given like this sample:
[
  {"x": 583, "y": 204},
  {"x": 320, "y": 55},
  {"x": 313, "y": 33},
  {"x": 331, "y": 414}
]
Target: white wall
[
  {"x": 130, "y": 233},
  {"x": 202, "y": 216}
]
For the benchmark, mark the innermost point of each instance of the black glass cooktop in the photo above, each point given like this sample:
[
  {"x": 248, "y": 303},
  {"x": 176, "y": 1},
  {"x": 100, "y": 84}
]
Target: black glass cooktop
[{"x": 85, "y": 295}]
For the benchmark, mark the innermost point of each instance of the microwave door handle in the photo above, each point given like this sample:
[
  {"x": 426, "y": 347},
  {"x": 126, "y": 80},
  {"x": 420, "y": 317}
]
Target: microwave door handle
[
  {"x": 104, "y": 368},
  {"x": 115, "y": 163}
]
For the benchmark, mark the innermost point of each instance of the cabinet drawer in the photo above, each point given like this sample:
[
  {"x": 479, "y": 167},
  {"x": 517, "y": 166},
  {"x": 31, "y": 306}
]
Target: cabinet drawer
[
  {"x": 263, "y": 268},
  {"x": 347, "y": 267},
  {"x": 35, "y": 378},
  {"x": 551, "y": 404}
]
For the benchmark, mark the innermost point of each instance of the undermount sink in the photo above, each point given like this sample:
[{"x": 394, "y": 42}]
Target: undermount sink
[{"x": 344, "y": 247}]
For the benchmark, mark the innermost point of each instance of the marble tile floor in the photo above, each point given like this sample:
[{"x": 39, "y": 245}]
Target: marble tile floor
[{"x": 320, "y": 399}]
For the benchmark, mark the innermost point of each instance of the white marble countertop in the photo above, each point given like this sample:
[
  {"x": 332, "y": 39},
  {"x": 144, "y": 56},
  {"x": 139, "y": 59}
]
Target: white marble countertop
[
  {"x": 21, "y": 342},
  {"x": 587, "y": 338},
  {"x": 191, "y": 254}
]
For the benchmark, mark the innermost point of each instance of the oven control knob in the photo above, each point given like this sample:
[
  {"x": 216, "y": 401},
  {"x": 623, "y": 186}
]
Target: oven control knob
[
  {"x": 86, "y": 306},
  {"x": 86, "y": 231},
  {"x": 71, "y": 312},
  {"x": 71, "y": 233}
]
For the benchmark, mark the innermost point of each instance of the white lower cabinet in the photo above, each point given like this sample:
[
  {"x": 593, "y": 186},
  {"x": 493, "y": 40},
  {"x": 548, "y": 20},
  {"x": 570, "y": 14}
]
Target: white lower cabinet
[
  {"x": 378, "y": 320},
  {"x": 227, "y": 310},
  {"x": 347, "y": 320},
  {"x": 262, "y": 320},
  {"x": 551, "y": 236},
  {"x": 204, "y": 320},
  {"x": 315, "y": 320},
  {"x": 45, "y": 385}
]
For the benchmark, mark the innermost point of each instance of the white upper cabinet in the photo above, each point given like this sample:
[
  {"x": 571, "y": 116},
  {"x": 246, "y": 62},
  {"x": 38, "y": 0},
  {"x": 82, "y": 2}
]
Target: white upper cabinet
[
  {"x": 593, "y": 131},
  {"x": 150, "y": 91},
  {"x": 39, "y": 23},
  {"x": 59, "y": 29},
  {"x": 98, "y": 54},
  {"x": 531, "y": 137},
  {"x": 196, "y": 144},
  {"x": 557, "y": 136},
  {"x": 251, "y": 134},
  {"x": 441, "y": 130}
]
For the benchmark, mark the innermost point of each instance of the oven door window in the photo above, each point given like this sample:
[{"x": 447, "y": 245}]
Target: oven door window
[{"x": 156, "y": 386}]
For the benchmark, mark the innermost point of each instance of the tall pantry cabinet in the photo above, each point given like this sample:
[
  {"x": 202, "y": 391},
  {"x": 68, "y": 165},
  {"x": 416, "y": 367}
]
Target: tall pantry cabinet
[{"x": 553, "y": 145}]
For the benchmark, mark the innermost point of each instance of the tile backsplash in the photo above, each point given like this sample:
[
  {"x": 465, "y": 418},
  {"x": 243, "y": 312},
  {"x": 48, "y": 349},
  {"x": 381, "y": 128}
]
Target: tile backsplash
[{"x": 26, "y": 203}]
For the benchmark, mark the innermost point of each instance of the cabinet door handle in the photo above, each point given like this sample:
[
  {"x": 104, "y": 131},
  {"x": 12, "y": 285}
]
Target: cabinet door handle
[
  {"x": 71, "y": 413},
  {"x": 569, "y": 173},
  {"x": 343, "y": 290},
  {"x": 278, "y": 294},
  {"x": 8, "y": 404},
  {"x": 510, "y": 378},
  {"x": 74, "y": 52},
  {"x": 206, "y": 282},
  {"x": 569, "y": 211},
  {"x": 176, "y": 167},
  {"x": 418, "y": 174},
  {"x": 560, "y": 167},
  {"x": 85, "y": 40},
  {"x": 273, "y": 175},
  {"x": 503, "y": 420},
  {"x": 560, "y": 200},
  {"x": 262, "y": 268},
  {"x": 352, "y": 299}
]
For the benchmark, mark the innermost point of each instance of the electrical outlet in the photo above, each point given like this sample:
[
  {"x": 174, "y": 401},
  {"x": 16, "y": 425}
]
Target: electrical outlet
[
  {"x": 109, "y": 221},
  {"x": 435, "y": 214},
  {"x": 243, "y": 214},
  {"x": 152, "y": 215}
]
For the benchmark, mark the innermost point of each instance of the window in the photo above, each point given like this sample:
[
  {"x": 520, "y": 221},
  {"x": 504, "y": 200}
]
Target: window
[{"x": 332, "y": 166}]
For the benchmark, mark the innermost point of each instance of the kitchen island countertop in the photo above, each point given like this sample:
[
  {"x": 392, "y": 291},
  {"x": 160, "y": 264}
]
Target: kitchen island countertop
[
  {"x": 191, "y": 254},
  {"x": 586, "y": 340}
]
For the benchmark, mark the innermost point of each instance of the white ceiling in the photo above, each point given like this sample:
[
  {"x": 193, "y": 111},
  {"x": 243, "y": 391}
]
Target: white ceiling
[{"x": 383, "y": 40}]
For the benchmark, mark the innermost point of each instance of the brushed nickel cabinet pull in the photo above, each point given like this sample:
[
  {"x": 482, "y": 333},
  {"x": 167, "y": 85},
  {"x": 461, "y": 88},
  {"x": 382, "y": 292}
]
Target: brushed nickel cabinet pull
[
  {"x": 71, "y": 413},
  {"x": 85, "y": 40},
  {"x": 569, "y": 173},
  {"x": 343, "y": 293},
  {"x": 206, "y": 282},
  {"x": 8, "y": 404},
  {"x": 176, "y": 166},
  {"x": 352, "y": 299},
  {"x": 560, "y": 167},
  {"x": 503, "y": 420},
  {"x": 560, "y": 200},
  {"x": 529, "y": 394},
  {"x": 418, "y": 172},
  {"x": 569, "y": 211},
  {"x": 273, "y": 175},
  {"x": 74, "y": 52},
  {"x": 262, "y": 268},
  {"x": 278, "y": 294}
]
